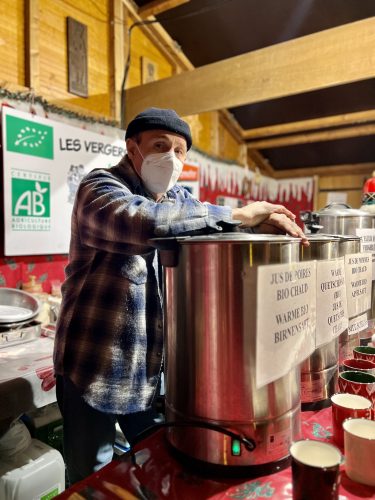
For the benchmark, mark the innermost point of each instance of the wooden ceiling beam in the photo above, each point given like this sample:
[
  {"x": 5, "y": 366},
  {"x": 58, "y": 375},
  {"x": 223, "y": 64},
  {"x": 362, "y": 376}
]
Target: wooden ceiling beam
[
  {"x": 259, "y": 160},
  {"x": 313, "y": 124},
  {"x": 159, "y": 37},
  {"x": 158, "y": 6},
  {"x": 325, "y": 59},
  {"x": 327, "y": 135},
  {"x": 356, "y": 168}
]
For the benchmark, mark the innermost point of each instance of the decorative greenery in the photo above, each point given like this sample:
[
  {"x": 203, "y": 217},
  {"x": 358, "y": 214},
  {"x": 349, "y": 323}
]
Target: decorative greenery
[{"x": 31, "y": 98}]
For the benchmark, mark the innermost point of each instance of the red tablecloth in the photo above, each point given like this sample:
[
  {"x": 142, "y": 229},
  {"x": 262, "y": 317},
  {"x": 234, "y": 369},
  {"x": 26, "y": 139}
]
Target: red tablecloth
[{"x": 158, "y": 475}]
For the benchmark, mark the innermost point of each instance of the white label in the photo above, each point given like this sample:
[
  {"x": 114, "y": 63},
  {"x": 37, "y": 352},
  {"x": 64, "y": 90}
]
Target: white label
[
  {"x": 331, "y": 304},
  {"x": 278, "y": 444},
  {"x": 368, "y": 244},
  {"x": 358, "y": 274},
  {"x": 357, "y": 324},
  {"x": 286, "y": 317}
]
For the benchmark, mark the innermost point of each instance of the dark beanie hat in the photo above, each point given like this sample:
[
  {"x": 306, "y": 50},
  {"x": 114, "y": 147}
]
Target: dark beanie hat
[{"x": 157, "y": 118}]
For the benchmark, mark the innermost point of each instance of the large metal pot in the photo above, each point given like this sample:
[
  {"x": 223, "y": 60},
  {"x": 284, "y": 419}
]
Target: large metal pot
[
  {"x": 337, "y": 218},
  {"x": 319, "y": 371},
  {"x": 210, "y": 304}
]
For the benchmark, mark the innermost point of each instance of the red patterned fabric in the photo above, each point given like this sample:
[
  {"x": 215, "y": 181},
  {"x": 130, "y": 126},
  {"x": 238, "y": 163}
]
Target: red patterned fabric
[
  {"x": 157, "y": 474},
  {"x": 46, "y": 268}
]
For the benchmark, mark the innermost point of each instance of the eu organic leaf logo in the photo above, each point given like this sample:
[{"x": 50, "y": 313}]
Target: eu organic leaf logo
[
  {"x": 39, "y": 188},
  {"x": 30, "y": 137}
]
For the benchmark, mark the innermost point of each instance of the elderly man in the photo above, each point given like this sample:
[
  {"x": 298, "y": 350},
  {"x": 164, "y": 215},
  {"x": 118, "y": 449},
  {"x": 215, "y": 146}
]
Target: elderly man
[{"x": 109, "y": 337}]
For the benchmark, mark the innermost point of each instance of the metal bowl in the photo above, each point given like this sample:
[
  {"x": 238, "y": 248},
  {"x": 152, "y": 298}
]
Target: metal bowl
[{"x": 17, "y": 306}]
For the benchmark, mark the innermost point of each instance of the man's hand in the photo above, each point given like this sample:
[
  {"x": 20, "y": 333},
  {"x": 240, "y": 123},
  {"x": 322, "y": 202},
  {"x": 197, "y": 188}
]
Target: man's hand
[
  {"x": 253, "y": 214},
  {"x": 281, "y": 224}
]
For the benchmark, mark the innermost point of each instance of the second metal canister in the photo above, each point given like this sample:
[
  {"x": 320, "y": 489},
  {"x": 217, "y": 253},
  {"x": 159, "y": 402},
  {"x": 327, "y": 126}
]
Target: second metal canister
[{"x": 319, "y": 371}]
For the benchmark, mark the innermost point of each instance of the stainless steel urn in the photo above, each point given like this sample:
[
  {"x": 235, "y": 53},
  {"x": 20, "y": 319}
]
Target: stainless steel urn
[
  {"x": 319, "y": 371},
  {"x": 210, "y": 304},
  {"x": 337, "y": 218}
]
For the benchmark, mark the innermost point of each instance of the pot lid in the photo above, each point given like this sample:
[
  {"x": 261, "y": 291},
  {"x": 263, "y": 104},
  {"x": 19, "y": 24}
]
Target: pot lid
[
  {"x": 320, "y": 237},
  {"x": 345, "y": 237},
  {"x": 12, "y": 314},
  {"x": 17, "y": 305},
  {"x": 238, "y": 237},
  {"x": 342, "y": 210}
]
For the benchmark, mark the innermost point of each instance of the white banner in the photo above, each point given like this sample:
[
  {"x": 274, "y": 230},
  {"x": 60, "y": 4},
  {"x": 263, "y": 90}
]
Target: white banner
[
  {"x": 331, "y": 304},
  {"x": 44, "y": 161},
  {"x": 358, "y": 277},
  {"x": 286, "y": 317}
]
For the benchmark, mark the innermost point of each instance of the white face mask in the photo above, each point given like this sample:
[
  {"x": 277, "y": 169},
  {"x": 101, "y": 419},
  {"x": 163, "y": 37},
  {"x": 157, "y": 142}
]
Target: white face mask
[{"x": 160, "y": 171}]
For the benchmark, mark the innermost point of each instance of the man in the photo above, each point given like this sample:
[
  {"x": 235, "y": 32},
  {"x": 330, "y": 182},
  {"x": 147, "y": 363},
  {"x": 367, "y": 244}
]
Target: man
[{"x": 109, "y": 337}]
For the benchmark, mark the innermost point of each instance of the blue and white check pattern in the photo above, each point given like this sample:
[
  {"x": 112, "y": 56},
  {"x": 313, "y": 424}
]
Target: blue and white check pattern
[{"x": 109, "y": 336}]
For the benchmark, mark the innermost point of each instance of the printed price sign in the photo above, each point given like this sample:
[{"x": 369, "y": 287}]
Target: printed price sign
[
  {"x": 331, "y": 304},
  {"x": 286, "y": 317},
  {"x": 358, "y": 277},
  {"x": 368, "y": 244}
]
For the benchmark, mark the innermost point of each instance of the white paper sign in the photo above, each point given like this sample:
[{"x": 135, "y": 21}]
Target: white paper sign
[
  {"x": 286, "y": 316},
  {"x": 358, "y": 324},
  {"x": 358, "y": 273},
  {"x": 44, "y": 161},
  {"x": 368, "y": 244},
  {"x": 331, "y": 304}
]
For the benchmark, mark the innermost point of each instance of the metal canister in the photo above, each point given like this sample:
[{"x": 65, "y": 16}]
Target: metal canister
[
  {"x": 337, "y": 218},
  {"x": 348, "y": 244},
  {"x": 319, "y": 371},
  {"x": 210, "y": 304}
]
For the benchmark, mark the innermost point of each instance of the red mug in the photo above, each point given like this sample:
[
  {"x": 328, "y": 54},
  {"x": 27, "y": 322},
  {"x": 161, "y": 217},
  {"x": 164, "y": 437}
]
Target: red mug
[
  {"x": 358, "y": 364},
  {"x": 346, "y": 405},
  {"x": 315, "y": 470},
  {"x": 364, "y": 352},
  {"x": 360, "y": 383}
]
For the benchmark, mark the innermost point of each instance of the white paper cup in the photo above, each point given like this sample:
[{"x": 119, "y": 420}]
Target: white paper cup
[{"x": 359, "y": 444}]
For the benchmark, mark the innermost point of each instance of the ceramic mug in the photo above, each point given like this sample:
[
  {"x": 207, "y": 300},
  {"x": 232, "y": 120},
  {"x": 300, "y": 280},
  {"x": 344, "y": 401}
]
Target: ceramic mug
[
  {"x": 315, "y": 470},
  {"x": 361, "y": 383},
  {"x": 364, "y": 352},
  {"x": 345, "y": 406},
  {"x": 359, "y": 441},
  {"x": 357, "y": 364}
]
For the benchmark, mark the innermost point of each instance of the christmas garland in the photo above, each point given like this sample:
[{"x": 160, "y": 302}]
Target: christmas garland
[{"x": 31, "y": 98}]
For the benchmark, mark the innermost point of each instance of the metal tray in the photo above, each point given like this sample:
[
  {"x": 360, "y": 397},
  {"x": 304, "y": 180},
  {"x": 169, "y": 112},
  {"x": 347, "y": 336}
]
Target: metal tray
[{"x": 26, "y": 333}]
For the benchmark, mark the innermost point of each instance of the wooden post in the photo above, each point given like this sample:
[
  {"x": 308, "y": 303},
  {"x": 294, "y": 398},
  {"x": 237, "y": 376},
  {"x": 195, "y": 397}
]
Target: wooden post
[
  {"x": 117, "y": 52},
  {"x": 32, "y": 61}
]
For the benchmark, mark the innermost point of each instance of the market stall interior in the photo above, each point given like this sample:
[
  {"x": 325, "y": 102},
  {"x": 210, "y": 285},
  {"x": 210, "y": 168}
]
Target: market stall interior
[{"x": 261, "y": 333}]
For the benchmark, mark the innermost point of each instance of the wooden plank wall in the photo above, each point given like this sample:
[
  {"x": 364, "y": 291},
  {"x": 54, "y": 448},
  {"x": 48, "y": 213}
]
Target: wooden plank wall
[
  {"x": 12, "y": 54},
  {"x": 351, "y": 184},
  {"x": 53, "y": 56}
]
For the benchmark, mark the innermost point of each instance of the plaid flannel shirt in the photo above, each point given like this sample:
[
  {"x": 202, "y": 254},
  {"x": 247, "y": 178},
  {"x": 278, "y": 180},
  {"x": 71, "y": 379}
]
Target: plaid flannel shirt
[{"x": 109, "y": 336}]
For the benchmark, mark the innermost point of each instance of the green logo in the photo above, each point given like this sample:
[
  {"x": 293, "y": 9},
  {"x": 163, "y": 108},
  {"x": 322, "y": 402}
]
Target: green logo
[
  {"x": 31, "y": 201},
  {"x": 51, "y": 494},
  {"x": 30, "y": 198},
  {"x": 29, "y": 138}
]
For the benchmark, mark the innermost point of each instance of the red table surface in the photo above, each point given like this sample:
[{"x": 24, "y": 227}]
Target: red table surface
[{"x": 158, "y": 475}]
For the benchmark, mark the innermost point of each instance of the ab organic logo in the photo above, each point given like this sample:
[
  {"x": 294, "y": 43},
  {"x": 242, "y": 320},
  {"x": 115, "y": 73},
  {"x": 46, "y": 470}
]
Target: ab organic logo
[
  {"x": 31, "y": 199},
  {"x": 29, "y": 137}
]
